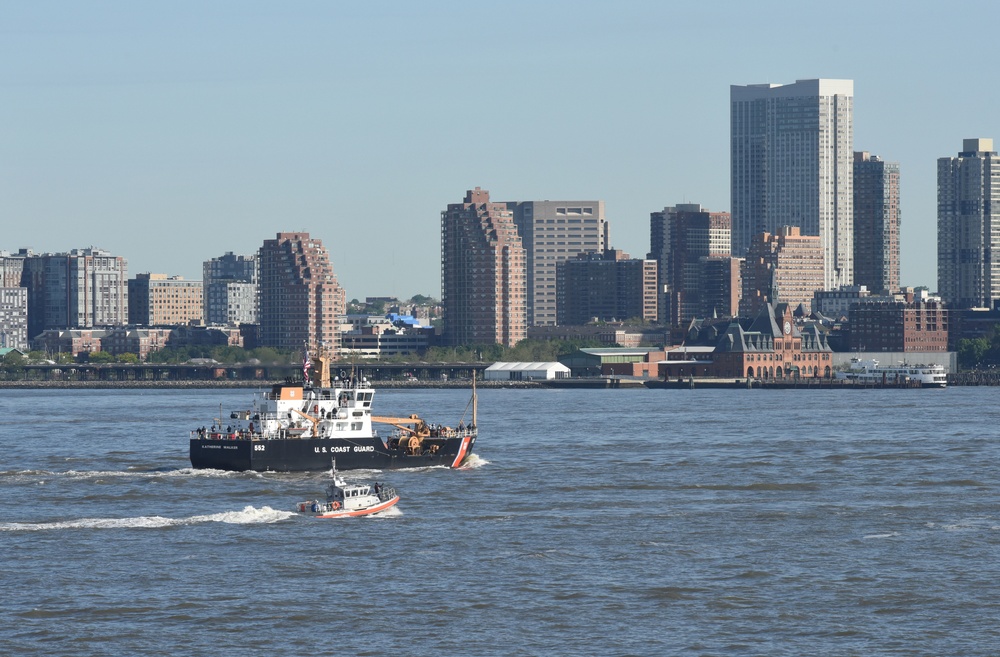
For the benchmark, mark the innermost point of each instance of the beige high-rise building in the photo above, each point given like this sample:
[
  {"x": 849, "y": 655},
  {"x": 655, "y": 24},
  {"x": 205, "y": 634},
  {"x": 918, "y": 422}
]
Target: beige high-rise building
[
  {"x": 792, "y": 149},
  {"x": 161, "y": 300},
  {"x": 301, "y": 302},
  {"x": 786, "y": 267},
  {"x": 553, "y": 232},
  {"x": 483, "y": 276}
]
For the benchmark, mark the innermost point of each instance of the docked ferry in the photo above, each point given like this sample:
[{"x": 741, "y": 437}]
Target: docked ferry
[
  {"x": 871, "y": 373},
  {"x": 300, "y": 426}
]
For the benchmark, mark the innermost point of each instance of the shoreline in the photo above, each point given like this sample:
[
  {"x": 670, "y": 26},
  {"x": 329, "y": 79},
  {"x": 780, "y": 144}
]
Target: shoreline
[
  {"x": 590, "y": 383},
  {"x": 242, "y": 384}
]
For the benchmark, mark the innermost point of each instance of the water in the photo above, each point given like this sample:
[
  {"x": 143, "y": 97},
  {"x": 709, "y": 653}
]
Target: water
[{"x": 593, "y": 522}]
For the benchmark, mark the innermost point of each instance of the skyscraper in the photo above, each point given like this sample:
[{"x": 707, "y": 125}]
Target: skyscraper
[
  {"x": 483, "y": 277},
  {"x": 969, "y": 226},
  {"x": 81, "y": 289},
  {"x": 606, "y": 286},
  {"x": 230, "y": 290},
  {"x": 783, "y": 268},
  {"x": 792, "y": 150},
  {"x": 876, "y": 223},
  {"x": 161, "y": 300},
  {"x": 683, "y": 239},
  {"x": 13, "y": 318},
  {"x": 553, "y": 232},
  {"x": 13, "y": 301},
  {"x": 301, "y": 302}
]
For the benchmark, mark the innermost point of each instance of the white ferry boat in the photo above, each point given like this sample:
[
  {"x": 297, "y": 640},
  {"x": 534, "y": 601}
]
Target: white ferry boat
[{"x": 870, "y": 372}]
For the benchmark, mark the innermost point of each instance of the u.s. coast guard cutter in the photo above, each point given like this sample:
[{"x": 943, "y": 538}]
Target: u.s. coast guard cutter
[{"x": 300, "y": 426}]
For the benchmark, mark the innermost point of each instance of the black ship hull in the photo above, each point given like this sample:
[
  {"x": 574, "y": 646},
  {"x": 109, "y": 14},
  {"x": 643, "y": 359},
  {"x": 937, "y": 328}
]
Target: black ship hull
[{"x": 316, "y": 454}]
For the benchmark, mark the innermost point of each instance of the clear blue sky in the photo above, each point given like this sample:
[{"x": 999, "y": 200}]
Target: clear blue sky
[{"x": 172, "y": 132}]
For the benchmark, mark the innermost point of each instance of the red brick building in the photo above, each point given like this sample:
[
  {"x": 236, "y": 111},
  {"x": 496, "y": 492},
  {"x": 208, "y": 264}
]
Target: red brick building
[
  {"x": 484, "y": 293},
  {"x": 301, "y": 302},
  {"x": 882, "y": 325},
  {"x": 769, "y": 346}
]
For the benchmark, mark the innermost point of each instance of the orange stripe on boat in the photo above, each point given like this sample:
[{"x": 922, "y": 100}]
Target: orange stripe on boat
[
  {"x": 362, "y": 512},
  {"x": 461, "y": 452}
]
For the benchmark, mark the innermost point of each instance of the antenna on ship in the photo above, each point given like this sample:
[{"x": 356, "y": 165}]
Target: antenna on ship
[{"x": 475, "y": 399}]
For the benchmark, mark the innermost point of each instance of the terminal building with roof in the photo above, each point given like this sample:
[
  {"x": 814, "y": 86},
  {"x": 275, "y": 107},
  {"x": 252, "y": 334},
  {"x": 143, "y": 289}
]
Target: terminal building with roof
[
  {"x": 769, "y": 346},
  {"x": 526, "y": 371}
]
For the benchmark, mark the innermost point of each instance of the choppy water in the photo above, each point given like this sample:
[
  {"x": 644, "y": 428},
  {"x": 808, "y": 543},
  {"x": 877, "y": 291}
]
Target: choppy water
[{"x": 597, "y": 522}]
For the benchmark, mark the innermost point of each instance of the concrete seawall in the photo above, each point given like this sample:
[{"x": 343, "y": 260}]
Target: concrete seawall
[{"x": 223, "y": 383}]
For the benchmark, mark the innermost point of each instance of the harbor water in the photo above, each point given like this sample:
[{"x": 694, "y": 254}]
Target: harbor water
[{"x": 589, "y": 522}]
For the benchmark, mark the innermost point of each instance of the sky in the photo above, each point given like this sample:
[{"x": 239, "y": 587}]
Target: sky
[{"x": 173, "y": 132}]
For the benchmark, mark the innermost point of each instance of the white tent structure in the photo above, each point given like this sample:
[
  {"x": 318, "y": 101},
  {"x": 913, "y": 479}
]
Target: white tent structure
[{"x": 525, "y": 371}]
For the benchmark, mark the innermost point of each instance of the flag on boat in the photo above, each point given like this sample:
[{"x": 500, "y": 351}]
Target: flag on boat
[{"x": 306, "y": 364}]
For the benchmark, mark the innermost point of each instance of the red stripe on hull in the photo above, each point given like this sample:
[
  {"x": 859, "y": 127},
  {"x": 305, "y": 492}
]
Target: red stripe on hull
[{"x": 461, "y": 452}]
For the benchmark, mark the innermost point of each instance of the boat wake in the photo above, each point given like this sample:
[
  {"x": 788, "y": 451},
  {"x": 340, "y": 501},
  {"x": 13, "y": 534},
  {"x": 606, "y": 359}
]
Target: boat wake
[
  {"x": 19, "y": 476},
  {"x": 473, "y": 461},
  {"x": 248, "y": 516}
]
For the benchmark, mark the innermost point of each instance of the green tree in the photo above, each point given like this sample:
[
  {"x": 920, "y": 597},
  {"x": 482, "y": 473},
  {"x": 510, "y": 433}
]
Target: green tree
[
  {"x": 14, "y": 359},
  {"x": 36, "y": 356},
  {"x": 12, "y": 366},
  {"x": 971, "y": 352},
  {"x": 99, "y": 357},
  {"x": 269, "y": 356}
]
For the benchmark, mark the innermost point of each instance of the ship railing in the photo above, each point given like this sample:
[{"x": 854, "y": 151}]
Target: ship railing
[{"x": 235, "y": 434}]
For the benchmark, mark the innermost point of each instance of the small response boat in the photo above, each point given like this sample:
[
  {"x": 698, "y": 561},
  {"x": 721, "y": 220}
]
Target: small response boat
[{"x": 344, "y": 500}]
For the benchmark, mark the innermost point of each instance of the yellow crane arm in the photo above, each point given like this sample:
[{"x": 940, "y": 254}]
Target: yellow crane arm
[
  {"x": 315, "y": 422},
  {"x": 419, "y": 427}
]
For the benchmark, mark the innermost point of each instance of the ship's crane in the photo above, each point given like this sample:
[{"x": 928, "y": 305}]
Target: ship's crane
[
  {"x": 412, "y": 425},
  {"x": 315, "y": 421},
  {"x": 416, "y": 428}
]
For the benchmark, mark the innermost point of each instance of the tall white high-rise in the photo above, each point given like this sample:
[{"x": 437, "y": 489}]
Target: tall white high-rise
[
  {"x": 969, "y": 226},
  {"x": 792, "y": 149}
]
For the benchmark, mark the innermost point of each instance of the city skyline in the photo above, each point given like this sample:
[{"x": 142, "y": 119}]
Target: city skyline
[{"x": 171, "y": 135}]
